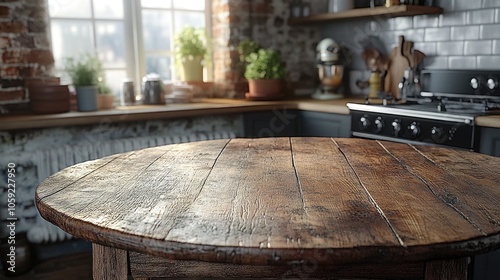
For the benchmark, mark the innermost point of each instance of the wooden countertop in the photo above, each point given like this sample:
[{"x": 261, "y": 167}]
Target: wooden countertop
[
  {"x": 201, "y": 107},
  {"x": 282, "y": 200}
]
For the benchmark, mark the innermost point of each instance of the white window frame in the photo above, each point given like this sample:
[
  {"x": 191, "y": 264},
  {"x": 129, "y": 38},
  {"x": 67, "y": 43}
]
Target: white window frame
[{"x": 135, "y": 54}]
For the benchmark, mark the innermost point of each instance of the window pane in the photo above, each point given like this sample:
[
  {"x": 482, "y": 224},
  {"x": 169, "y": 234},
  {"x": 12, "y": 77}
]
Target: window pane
[
  {"x": 160, "y": 65},
  {"x": 114, "y": 79},
  {"x": 108, "y": 9},
  {"x": 70, "y": 8},
  {"x": 198, "y": 5},
  {"x": 156, "y": 4},
  {"x": 70, "y": 38},
  {"x": 110, "y": 38},
  {"x": 183, "y": 19},
  {"x": 156, "y": 30}
]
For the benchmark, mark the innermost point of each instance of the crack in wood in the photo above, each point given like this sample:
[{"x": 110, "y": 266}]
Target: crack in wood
[
  {"x": 72, "y": 183},
  {"x": 297, "y": 180},
  {"x": 446, "y": 201},
  {"x": 370, "y": 197}
]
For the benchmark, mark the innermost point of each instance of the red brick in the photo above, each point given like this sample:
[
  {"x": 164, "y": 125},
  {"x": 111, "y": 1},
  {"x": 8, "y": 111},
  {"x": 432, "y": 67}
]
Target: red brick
[
  {"x": 12, "y": 27},
  {"x": 9, "y": 71},
  {"x": 5, "y": 42},
  {"x": 11, "y": 95},
  {"x": 40, "y": 56},
  {"x": 13, "y": 57},
  {"x": 4, "y": 11}
]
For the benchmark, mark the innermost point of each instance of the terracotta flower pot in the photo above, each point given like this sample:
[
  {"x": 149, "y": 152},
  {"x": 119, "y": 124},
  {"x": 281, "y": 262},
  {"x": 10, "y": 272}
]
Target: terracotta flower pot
[
  {"x": 105, "y": 101},
  {"x": 265, "y": 89}
]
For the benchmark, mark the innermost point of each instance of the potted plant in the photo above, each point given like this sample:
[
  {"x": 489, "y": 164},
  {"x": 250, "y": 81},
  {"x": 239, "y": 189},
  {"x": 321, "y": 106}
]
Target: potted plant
[
  {"x": 85, "y": 73},
  {"x": 105, "y": 97},
  {"x": 190, "y": 50},
  {"x": 264, "y": 72}
]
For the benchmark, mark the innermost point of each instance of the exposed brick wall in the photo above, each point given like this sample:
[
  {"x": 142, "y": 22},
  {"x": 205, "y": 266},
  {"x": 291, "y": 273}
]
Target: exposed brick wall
[
  {"x": 266, "y": 22},
  {"x": 24, "y": 45}
]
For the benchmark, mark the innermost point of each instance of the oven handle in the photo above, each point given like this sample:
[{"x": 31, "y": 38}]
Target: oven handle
[{"x": 386, "y": 138}]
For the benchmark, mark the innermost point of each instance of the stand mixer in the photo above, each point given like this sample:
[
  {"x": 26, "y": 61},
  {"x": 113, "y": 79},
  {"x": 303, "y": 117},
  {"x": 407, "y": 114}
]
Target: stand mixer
[{"x": 330, "y": 71}]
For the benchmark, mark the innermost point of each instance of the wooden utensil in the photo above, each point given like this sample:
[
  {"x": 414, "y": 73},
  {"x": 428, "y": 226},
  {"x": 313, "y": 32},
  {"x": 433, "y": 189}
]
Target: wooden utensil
[{"x": 399, "y": 63}]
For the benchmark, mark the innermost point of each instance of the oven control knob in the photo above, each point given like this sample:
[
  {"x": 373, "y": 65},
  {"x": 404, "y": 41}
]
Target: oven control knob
[
  {"x": 379, "y": 125},
  {"x": 438, "y": 135},
  {"x": 414, "y": 129},
  {"x": 492, "y": 83},
  {"x": 476, "y": 82},
  {"x": 396, "y": 125},
  {"x": 365, "y": 123}
]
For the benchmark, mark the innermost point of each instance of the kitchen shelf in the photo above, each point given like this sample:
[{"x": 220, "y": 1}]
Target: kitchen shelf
[{"x": 394, "y": 11}]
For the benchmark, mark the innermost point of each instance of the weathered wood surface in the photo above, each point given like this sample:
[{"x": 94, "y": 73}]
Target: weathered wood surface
[{"x": 279, "y": 200}]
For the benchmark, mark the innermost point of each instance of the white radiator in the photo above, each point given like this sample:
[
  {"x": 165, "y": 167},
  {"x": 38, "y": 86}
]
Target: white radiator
[{"x": 50, "y": 161}]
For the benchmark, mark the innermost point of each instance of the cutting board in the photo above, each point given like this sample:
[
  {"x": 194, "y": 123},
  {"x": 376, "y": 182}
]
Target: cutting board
[{"x": 399, "y": 64}]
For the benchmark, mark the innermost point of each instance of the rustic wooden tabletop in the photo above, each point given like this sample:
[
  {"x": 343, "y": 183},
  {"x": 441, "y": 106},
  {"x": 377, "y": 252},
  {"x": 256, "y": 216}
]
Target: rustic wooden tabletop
[{"x": 274, "y": 201}]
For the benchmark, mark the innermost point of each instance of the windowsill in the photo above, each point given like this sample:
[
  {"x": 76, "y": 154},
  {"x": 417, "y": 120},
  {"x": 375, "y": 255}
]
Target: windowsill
[{"x": 202, "y": 107}]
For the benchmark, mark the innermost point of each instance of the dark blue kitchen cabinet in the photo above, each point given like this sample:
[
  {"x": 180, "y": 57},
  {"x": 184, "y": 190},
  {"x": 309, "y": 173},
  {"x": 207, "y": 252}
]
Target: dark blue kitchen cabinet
[
  {"x": 490, "y": 141},
  {"x": 275, "y": 123},
  {"x": 289, "y": 123},
  {"x": 315, "y": 124}
]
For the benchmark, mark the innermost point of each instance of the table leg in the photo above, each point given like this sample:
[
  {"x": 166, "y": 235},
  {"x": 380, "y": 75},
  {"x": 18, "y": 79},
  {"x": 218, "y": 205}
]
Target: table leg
[
  {"x": 453, "y": 269},
  {"x": 109, "y": 263}
]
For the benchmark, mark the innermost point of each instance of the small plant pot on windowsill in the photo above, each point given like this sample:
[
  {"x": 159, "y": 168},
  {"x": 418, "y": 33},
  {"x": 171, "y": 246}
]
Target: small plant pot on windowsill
[
  {"x": 192, "y": 69},
  {"x": 86, "y": 98},
  {"x": 105, "y": 101},
  {"x": 265, "y": 89}
]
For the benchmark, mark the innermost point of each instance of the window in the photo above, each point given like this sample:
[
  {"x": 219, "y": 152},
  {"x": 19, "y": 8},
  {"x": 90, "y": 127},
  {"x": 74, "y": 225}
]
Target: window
[{"x": 132, "y": 37}]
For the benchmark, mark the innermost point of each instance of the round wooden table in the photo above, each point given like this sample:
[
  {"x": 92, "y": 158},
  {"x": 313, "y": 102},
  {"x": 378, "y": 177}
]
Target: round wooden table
[{"x": 281, "y": 207}]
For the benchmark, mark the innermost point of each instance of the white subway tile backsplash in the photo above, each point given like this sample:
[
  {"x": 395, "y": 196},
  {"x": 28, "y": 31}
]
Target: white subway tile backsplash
[
  {"x": 491, "y": 3},
  {"x": 453, "y": 19},
  {"x": 450, "y": 48},
  {"x": 491, "y": 31},
  {"x": 415, "y": 35},
  {"x": 465, "y": 32},
  {"x": 497, "y": 15},
  {"x": 436, "y": 62},
  {"x": 437, "y": 34},
  {"x": 426, "y": 21},
  {"x": 400, "y": 23},
  {"x": 477, "y": 47},
  {"x": 496, "y": 47},
  {"x": 462, "y": 62},
  {"x": 481, "y": 16},
  {"x": 488, "y": 62},
  {"x": 461, "y": 5},
  {"x": 427, "y": 48}
]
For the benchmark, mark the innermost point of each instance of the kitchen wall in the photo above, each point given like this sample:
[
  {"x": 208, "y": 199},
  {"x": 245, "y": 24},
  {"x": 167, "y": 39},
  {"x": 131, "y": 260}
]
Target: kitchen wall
[
  {"x": 24, "y": 45},
  {"x": 266, "y": 22},
  {"x": 465, "y": 36}
]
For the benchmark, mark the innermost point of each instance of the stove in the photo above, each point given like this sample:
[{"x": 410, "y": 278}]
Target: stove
[{"x": 443, "y": 112}]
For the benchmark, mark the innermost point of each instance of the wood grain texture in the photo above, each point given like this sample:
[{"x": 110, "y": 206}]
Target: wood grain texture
[
  {"x": 109, "y": 263},
  {"x": 275, "y": 201}
]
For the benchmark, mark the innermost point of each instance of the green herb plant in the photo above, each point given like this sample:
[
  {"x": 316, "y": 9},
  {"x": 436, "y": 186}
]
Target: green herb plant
[
  {"x": 84, "y": 71},
  {"x": 190, "y": 42},
  {"x": 264, "y": 64}
]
